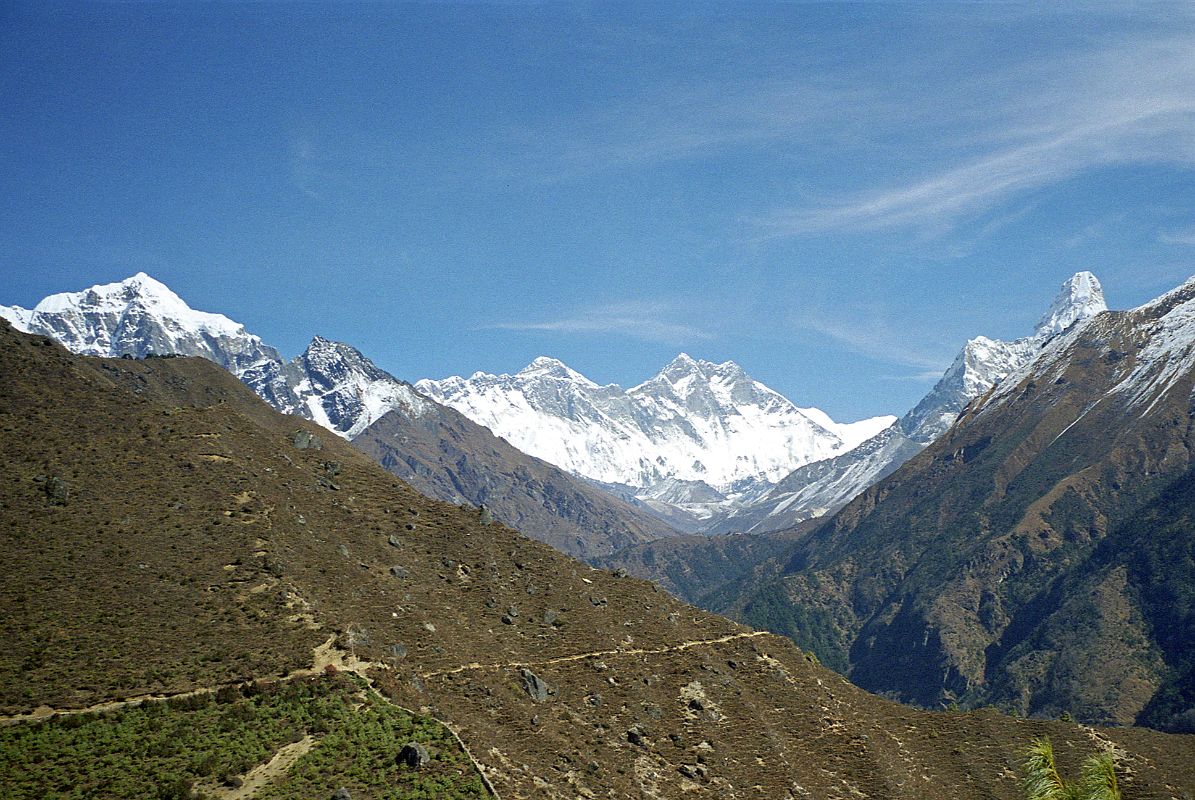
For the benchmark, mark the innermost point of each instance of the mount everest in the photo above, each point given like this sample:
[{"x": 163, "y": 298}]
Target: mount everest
[{"x": 697, "y": 435}]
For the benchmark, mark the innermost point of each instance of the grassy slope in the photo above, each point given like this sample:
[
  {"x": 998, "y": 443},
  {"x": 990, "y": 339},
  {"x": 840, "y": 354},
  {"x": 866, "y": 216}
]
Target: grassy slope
[{"x": 202, "y": 743}]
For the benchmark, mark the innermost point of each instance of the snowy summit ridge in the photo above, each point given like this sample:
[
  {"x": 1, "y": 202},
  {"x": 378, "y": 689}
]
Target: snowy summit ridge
[
  {"x": 694, "y": 421},
  {"x": 1081, "y": 297},
  {"x": 330, "y": 383},
  {"x": 983, "y": 363}
]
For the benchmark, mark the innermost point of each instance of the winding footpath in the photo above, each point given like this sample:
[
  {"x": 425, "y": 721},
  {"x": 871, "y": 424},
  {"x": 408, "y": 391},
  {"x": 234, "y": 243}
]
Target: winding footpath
[{"x": 328, "y": 655}]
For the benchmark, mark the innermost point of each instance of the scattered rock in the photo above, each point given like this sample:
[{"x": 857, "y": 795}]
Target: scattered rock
[
  {"x": 535, "y": 686},
  {"x": 620, "y": 573},
  {"x": 413, "y": 756},
  {"x": 343, "y": 550},
  {"x": 486, "y": 517},
  {"x": 341, "y": 794},
  {"x": 332, "y": 468},
  {"x": 57, "y": 491},
  {"x": 398, "y": 651},
  {"x": 551, "y": 617},
  {"x": 306, "y": 440},
  {"x": 410, "y": 526},
  {"x": 357, "y": 636},
  {"x": 597, "y": 601},
  {"x": 696, "y": 772},
  {"x": 399, "y": 572},
  {"x": 512, "y": 611},
  {"x": 394, "y": 541},
  {"x": 637, "y": 736}
]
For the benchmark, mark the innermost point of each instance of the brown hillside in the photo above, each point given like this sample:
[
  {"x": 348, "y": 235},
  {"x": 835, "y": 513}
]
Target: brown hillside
[
  {"x": 445, "y": 455},
  {"x": 160, "y": 530},
  {"x": 1038, "y": 556}
]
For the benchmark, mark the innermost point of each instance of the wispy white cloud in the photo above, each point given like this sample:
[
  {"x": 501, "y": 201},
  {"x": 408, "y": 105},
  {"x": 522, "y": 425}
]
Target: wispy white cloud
[
  {"x": 651, "y": 321},
  {"x": 1132, "y": 104},
  {"x": 678, "y": 120},
  {"x": 876, "y": 337},
  {"x": 1183, "y": 236},
  {"x": 924, "y": 376},
  {"x": 304, "y": 166}
]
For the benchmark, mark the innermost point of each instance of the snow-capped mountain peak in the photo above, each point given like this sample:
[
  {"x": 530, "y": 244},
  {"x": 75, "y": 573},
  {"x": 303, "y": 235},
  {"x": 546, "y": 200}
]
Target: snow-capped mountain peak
[
  {"x": 344, "y": 391},
  {"x": 1080, "y": 297},
  {"x": 547, "y": 367},
  {"x": 145, "y": 293},
  {"x": 693, "y": 421},
  {"x": 331, "y": 383},
  {"x": 330, "y": 363},
  {"x": 982, "y": 364},
  {"x": 139, "y": 316}
]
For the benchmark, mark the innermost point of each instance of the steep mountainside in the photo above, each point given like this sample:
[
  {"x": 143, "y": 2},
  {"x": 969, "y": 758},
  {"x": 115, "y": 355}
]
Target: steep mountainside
[
  {"x": 695, "y": 566},
  {"x": 1038, "y": 555},
  {"x": 825, "y": 486},
  {"x": 706, "y": 428},
  {"x": 337, "y": 387},
  {"x": 163, "y": 530},
  {"x": 445, "y": 455}
]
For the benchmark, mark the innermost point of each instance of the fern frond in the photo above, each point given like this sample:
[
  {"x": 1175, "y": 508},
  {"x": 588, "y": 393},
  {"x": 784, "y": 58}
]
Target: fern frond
[
  {"x": 1099, "y": 778},
  {"x": 1041, "y": 779}
]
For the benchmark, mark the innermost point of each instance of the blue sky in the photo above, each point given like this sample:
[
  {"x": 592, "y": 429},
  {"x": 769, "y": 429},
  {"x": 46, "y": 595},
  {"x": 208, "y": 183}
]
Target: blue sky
[{"x": 834, "y": 195}]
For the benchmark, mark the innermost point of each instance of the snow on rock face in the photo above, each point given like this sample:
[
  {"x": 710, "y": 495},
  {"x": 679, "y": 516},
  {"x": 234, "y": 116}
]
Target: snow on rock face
[
  {"x": 1170, "y": 351},
  {"x": 1081, "y": 297},
  {"x": 978, "y": 367},
  {"x": 982, "y": 364},
  {"x": 346, "y": 392},
  {"x": 20, "y": 318},
  {"x": 985, "y": 362},
  {"x": 140, "y": 316},
  {"x": 1164, "y": 326},
  {"x": 331, "y": 383},
  {"x": 693, "y": 421}
]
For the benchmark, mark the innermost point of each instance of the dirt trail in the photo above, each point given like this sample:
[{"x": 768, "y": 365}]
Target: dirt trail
[
  {"x": 261, "y": 775},
  {"x": 639, "y": 651},
  {"x": 322, "y": 657},
  {"x": 327, "y": 654}
]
